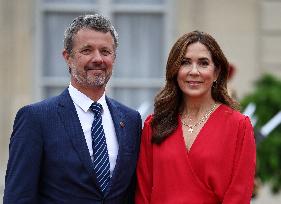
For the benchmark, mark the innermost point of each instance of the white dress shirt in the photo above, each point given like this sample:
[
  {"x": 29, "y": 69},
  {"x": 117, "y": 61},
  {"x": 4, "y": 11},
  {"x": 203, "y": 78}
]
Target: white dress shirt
[{"x": 86, "y": 116}]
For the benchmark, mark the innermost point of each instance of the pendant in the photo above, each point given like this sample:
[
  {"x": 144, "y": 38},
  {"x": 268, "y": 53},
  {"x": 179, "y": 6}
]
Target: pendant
[{"x": 190, "y": 130}]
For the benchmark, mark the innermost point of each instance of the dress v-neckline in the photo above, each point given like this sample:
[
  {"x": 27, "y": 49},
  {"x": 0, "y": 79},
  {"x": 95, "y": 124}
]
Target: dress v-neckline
[{"x": 199, "y": 133}]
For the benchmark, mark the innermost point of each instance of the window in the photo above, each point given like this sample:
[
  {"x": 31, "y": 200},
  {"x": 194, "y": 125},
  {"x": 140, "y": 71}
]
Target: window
[{"x": 141, "y": 57}]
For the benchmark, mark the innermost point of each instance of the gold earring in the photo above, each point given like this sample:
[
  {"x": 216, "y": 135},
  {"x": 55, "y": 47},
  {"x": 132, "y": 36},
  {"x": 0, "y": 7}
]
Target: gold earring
[{"x": 215, "y": 84}]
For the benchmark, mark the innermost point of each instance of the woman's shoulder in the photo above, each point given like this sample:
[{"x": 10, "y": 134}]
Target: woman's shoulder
[
  {"x": 232, "y": 113},
  {"x": 233, "y": 118},
  {"x": 147, "y": 131},
  {"x": 148, "y": 119},
  {"x": 229, "y": 114}
]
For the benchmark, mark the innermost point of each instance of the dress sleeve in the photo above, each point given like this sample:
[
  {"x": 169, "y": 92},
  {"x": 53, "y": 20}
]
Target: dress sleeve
[
  {"x": 241, "y": 186},
  {"x": 144, "y": 167}
]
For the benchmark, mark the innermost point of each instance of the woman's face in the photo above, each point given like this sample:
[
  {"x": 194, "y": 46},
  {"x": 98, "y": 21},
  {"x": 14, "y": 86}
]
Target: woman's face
[{"x": 197, "y": 72}]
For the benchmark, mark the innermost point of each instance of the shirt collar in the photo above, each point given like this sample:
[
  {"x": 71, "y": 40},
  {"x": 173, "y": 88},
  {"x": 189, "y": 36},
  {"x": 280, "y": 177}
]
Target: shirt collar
[{"x": 83, "y": 101}]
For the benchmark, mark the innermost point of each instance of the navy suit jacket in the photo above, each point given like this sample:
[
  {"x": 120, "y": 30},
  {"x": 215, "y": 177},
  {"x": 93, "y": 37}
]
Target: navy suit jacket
[{"x": 49, "y": 161}]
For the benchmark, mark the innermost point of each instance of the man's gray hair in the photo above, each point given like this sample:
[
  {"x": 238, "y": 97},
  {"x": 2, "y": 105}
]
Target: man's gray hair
[{"x": 95, "y": 22}]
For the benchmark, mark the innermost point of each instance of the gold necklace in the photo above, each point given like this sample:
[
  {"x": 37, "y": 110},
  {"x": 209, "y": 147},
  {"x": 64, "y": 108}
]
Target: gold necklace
[{"x": 191, "y": 127}]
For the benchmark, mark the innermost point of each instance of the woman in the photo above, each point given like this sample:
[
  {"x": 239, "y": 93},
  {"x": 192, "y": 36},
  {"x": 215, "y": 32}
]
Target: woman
[{"x": 196, "y": 148}]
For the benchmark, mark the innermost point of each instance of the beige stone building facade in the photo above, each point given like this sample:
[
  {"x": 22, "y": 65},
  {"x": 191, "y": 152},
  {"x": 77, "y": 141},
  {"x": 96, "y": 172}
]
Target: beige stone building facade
[{"x": 249, "y": 32}]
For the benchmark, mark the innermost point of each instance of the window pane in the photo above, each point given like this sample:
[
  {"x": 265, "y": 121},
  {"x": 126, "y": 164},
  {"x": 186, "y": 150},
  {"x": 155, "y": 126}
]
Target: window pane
[
  {"x": 53, "y": 91},
  {"x": 140, "y": 53},
  {"x": 53, "y": 31},
  {"x": 137, "y": 98},
  {"x": 139, "y": 1}
]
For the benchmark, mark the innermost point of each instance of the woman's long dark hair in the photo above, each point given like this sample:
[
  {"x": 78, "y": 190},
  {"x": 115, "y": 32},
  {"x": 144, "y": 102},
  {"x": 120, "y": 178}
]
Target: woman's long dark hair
[{"x": 168, "y": 101}]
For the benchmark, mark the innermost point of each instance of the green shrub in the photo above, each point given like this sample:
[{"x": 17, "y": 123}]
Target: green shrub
[{"x": 267, "y": 97}]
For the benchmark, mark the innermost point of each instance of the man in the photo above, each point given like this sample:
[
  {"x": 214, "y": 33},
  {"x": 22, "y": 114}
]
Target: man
[{"x": 80, "y": 147}]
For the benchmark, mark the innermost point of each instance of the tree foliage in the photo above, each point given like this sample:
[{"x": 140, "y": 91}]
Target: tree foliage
[{"x": 267, "y": 97}]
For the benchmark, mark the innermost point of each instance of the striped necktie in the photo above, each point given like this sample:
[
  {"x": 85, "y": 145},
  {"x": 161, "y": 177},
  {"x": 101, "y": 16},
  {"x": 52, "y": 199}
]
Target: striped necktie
[{"x": 100, "y": 152}]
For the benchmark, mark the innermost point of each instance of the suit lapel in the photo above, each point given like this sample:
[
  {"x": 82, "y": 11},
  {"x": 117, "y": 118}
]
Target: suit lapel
[
  {"x": 119, "y": 121},
  {"x": 69, "y": 117},
  {"x": 74, "y": 130}
]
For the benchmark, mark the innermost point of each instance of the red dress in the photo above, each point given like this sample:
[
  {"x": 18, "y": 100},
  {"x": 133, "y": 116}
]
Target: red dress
[{"x": 219, "y": 167}]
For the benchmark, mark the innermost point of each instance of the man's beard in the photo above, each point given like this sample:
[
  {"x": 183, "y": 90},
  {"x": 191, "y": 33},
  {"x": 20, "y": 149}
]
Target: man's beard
[{"x": 96, "y": 81}]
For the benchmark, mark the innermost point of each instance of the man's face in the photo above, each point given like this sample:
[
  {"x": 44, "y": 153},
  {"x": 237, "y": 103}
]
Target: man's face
[{"x": 91, "y": 59}]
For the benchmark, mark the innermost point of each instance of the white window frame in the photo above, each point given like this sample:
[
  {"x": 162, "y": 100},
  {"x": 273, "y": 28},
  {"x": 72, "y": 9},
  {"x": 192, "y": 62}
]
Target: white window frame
[{"x": 108, "y": 9}]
